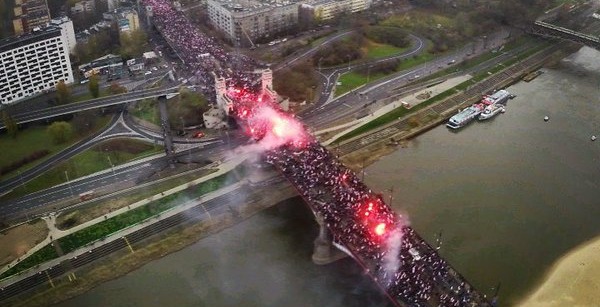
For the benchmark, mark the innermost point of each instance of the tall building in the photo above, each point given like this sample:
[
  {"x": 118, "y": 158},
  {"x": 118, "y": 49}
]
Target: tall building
[
  {"x": 33, "y": 63},
  {"x": 30, "y": 14},
  {"x": 66, "y": 26},
  {"x": 252, "y": 19}
]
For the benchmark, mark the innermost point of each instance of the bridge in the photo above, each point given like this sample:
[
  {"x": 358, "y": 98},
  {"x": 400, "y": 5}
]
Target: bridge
[
  {"x": 358, "y": 222},
  {"x": 21, "y": 118},
  {"x": 353, "y": 219},
  {"x": 549, "y": 30}
]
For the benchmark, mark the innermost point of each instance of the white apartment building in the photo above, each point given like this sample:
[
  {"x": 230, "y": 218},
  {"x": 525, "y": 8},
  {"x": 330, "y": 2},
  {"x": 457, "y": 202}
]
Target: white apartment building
[
  {"x": 322, "y": 10},
  {"x": 66, "y": 26},
  {"x": 252, "y": 19},
  {"x": 33, "y": 63}
]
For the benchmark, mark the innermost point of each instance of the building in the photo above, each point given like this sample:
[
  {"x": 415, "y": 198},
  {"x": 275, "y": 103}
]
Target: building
[
  {"x": 217, "y": 116},
  {"x": 83, "y": 6},
  {"x": 33, "y": 63},
  {"x": 245, "y": 20},
  {"x": 66, "y": 26},
  {"x": 30, "y": 14},
  {"x": 128, "y": 20},
  {"x": 106, "y": 65},
  {"x": 320, "y": 10}
]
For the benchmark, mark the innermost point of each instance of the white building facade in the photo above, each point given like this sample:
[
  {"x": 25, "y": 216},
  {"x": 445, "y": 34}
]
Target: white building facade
[
  {"x": 33, "y": 63},
  {"x": 327, "y": 9},
  {"x": 66, "y": 27},
  {"x": 252, "y": 19}
]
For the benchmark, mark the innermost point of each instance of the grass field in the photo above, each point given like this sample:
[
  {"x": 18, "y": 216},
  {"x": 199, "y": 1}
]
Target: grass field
[
  {"x": 377, "y": 51},
  {"x": 46, "y": 253},
  {"x": 353, "y": 80},
  {"x": 146, "y": 110},
  {"x": 33, "y": 139},
  {"x": 85, "y": 163}
]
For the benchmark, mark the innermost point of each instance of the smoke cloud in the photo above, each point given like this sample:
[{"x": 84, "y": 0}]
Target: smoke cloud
[{"x": 272, "y": 129}]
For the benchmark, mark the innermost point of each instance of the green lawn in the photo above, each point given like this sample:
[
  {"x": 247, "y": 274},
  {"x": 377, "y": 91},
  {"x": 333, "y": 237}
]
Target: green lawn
[
  {"x": 132, "y": 217},
  {"x": 83, "y": 164},
  {"x": 377, "y": 51},
  {"x": 353, "y": 80},
  {"x": 146, "y": 110},
  {"x": 34, "y": 139},
  {"x": 46, "y": 253}
]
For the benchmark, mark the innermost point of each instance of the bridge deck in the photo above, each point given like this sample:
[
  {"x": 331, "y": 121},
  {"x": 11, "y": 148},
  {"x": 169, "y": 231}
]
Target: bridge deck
[{"x": 412, "y": 273}]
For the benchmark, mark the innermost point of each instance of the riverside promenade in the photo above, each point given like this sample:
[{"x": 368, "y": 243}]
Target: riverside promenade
[{"x": 433, "y": 115}]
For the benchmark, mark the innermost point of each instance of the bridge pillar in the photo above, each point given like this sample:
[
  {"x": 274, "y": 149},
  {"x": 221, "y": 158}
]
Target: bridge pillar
[
  {"x": 164, "y": 123},
  {"x": 324, "y": 252}
]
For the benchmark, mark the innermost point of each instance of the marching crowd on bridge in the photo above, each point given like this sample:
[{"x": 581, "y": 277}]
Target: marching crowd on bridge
[
  {"x": 358, "y": 218},
  {"x": 350, "y": 210}
]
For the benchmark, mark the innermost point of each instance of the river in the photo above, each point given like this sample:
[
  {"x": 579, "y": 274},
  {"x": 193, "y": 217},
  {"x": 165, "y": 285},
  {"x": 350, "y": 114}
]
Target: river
[{"x": 509, "y": 196}]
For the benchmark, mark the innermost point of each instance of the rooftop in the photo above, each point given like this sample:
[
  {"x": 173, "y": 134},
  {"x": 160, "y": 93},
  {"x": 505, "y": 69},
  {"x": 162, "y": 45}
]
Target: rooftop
[
  {"x": 244, "y": 6},
  {"x": 26, "y": 39}
]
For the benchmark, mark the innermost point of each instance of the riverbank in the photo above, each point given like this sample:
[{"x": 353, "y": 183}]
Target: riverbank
[
  {"x": 572, "y": 280},
  {"x": 124, "y": 261}
]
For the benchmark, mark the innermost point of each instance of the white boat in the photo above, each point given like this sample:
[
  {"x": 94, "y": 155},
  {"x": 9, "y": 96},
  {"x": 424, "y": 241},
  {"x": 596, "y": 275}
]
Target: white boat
[
  {"x": 464, "y": 117},
  {"x": 491, "y": 111}
]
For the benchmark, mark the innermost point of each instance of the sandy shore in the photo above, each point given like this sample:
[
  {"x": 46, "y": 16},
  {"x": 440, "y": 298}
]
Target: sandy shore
[{"x": 573, "y": 280}]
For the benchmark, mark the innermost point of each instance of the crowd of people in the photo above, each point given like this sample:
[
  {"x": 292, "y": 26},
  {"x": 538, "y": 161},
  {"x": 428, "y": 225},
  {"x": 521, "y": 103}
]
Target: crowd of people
[
  {"x": 360, "y": 220},
  {"x": 357, "y": 217},
  {"x": 201, "y": 54}
]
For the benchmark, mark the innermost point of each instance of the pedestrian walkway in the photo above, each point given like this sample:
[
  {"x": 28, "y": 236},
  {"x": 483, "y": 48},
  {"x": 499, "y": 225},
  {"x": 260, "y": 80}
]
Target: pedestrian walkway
[{"x": 55, "y": 233}]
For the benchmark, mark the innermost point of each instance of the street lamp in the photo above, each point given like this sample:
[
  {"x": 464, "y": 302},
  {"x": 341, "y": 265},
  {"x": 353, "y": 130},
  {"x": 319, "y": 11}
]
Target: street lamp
[
  {"x": 68, "y": 182},
  {"x": 319, "y": 63},
  {"x": 349, "y": 57},
  {"x": 369, "y": 73},
  {"x": 22, "y": 181},
  {"x": 112, "y": 167}
]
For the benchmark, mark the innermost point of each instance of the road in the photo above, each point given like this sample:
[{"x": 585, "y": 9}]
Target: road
[
  {"x": 329, "y": 111},
  {"x": 316, "y": 118},
  {"x": 122, "y": 176},
  {"x": 91, "y": 104}
]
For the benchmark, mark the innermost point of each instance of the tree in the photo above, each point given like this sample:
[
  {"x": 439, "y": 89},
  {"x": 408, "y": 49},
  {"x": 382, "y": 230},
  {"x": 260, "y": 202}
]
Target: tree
[
  {"x": 11, "y": 125},
  {"x": 83, "y": 122},
  {"x": 93, "y": 86},
  {"x": 115, "y": 89},
  {"x": 187, "y": 109},
  {"x": 133, "y": 43},
  {"x": 60, "y": 132},
  {"x": 63, "y": 93}
]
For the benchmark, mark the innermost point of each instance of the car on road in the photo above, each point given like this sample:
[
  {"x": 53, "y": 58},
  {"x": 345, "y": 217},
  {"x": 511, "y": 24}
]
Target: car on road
[
  {"x": 451, "y": 62},
  {"x": 148, "y": 73},
  {"x": 199, "y": 134}
]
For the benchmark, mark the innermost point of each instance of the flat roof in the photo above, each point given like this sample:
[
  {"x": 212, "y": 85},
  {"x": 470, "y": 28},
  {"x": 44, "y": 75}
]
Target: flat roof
[
  {"x": 245, "y": 6},
  {"x": 29, "y": 38}
]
